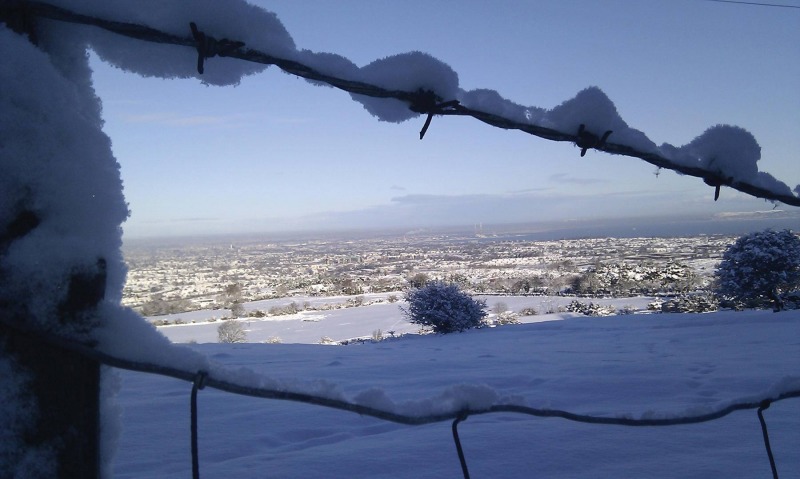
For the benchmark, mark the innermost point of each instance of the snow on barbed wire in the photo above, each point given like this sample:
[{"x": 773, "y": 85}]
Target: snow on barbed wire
[
  {"x": 451, "y": 400},
  {"x": 409, "y": 72},
  {"x": 329, "y": 64},
  {"x": 492, "y": 102},
  {"x": 728, "y": 150},
  {"x": 723, "y": 151},
  {"x": 232, "y": 19},
  {"x": 592, "y": 108}
]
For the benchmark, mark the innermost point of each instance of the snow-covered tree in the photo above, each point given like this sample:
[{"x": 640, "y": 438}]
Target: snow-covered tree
[
  {"x": 232, "y": 332},
  {"x": 444, "y": 307},
  {"x": 759, "y": 266}
]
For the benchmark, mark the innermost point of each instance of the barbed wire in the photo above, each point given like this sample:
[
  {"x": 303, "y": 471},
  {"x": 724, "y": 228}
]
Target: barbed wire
[
  {"x": 421, "y": 101},
  {"x": 756, "y": 4},
  {"x": 204, "y": 379}
]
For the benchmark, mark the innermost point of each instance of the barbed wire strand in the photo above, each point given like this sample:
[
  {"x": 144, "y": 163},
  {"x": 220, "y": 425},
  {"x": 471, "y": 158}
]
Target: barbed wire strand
[
  {"x": 209, "y": 381},
  {"x": 764, "y": 405},
  {"x": 459, "y": 449},
  {"x": 197, "y": 384},
  {"x": 423, "y": 102},
  {"x": 756, "y": 4}
]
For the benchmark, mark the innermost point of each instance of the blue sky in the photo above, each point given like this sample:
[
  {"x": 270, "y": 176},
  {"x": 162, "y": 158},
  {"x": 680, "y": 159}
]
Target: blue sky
[{"x": 276, "y": 153}]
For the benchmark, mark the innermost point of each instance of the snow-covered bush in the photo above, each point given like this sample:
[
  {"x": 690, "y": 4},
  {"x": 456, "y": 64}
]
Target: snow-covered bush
[
  {"x": 506, "y": 317},
  {"x": 590, "y": 309},
  {"x": 444, "y": 307},
  {"x": 231, "y": 332},
  {"x": 758, "y": 267},
  {"x": 623, "y": 279},
  {"x": 691, "y": 303}
]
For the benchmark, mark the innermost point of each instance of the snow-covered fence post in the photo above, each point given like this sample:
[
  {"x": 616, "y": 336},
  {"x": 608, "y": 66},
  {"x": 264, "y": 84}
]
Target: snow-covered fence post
[{"x": 62, "y": 386}]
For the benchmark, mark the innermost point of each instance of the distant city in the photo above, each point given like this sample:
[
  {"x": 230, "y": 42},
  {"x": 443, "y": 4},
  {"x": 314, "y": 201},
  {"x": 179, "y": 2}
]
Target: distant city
[{"x": 173, "y": 275}]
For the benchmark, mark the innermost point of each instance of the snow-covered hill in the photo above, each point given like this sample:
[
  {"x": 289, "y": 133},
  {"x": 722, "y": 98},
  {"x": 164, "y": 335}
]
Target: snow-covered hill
[{"x": 660, "y": 365}]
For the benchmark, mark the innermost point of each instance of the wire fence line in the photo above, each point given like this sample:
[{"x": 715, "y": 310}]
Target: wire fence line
[
  {"x": 201, "y": 379},
  {"x": 421, "y": 101}
]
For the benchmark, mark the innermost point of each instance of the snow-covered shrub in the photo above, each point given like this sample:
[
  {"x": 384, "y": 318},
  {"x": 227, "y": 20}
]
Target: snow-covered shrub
[
  {"x": 590, "y": 309},
  {"x": 758, "y": 267},
  {"x": 444, "y": 307},
  {"x": 691, "y": 303},
  {"x": 291, "y": 308},
  {"x": 355, "y": 301},
  {"x": 623, "y": 279},
  {"x": 528, "y": 311},
  {"x": 231, "y": 332},
  {"x": 655, "y": 305},
  {"x": 506, "y": 317}
]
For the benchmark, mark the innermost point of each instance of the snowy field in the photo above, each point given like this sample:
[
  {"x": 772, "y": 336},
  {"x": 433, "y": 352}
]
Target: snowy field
[
  {"x": 341, "y": 324},
  {"x": 647, "y": 365}
]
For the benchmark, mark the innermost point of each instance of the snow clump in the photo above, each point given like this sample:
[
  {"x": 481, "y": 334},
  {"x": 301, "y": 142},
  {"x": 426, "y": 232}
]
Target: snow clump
[{"x": 409, "y": 72}]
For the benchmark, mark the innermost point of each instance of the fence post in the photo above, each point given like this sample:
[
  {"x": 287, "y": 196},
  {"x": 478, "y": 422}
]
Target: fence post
[
  {"x": 64, "y": 384},
  {"x": 66, "y": 387}
]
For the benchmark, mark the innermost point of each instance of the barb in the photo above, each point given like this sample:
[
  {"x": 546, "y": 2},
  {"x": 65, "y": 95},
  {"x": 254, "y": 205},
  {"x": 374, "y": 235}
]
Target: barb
[
  {"x": 411, "y": 98},
  {"x": 587, "y": 139},
  {"x": 426, "y": 101},
  {"x": 208, "y": 46}
]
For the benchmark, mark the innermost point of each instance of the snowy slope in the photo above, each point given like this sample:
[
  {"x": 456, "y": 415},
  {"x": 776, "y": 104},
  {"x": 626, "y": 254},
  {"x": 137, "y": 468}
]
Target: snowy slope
[
  {"x": 638, "y": 366},
  {"x": 341, "y": 324}
]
